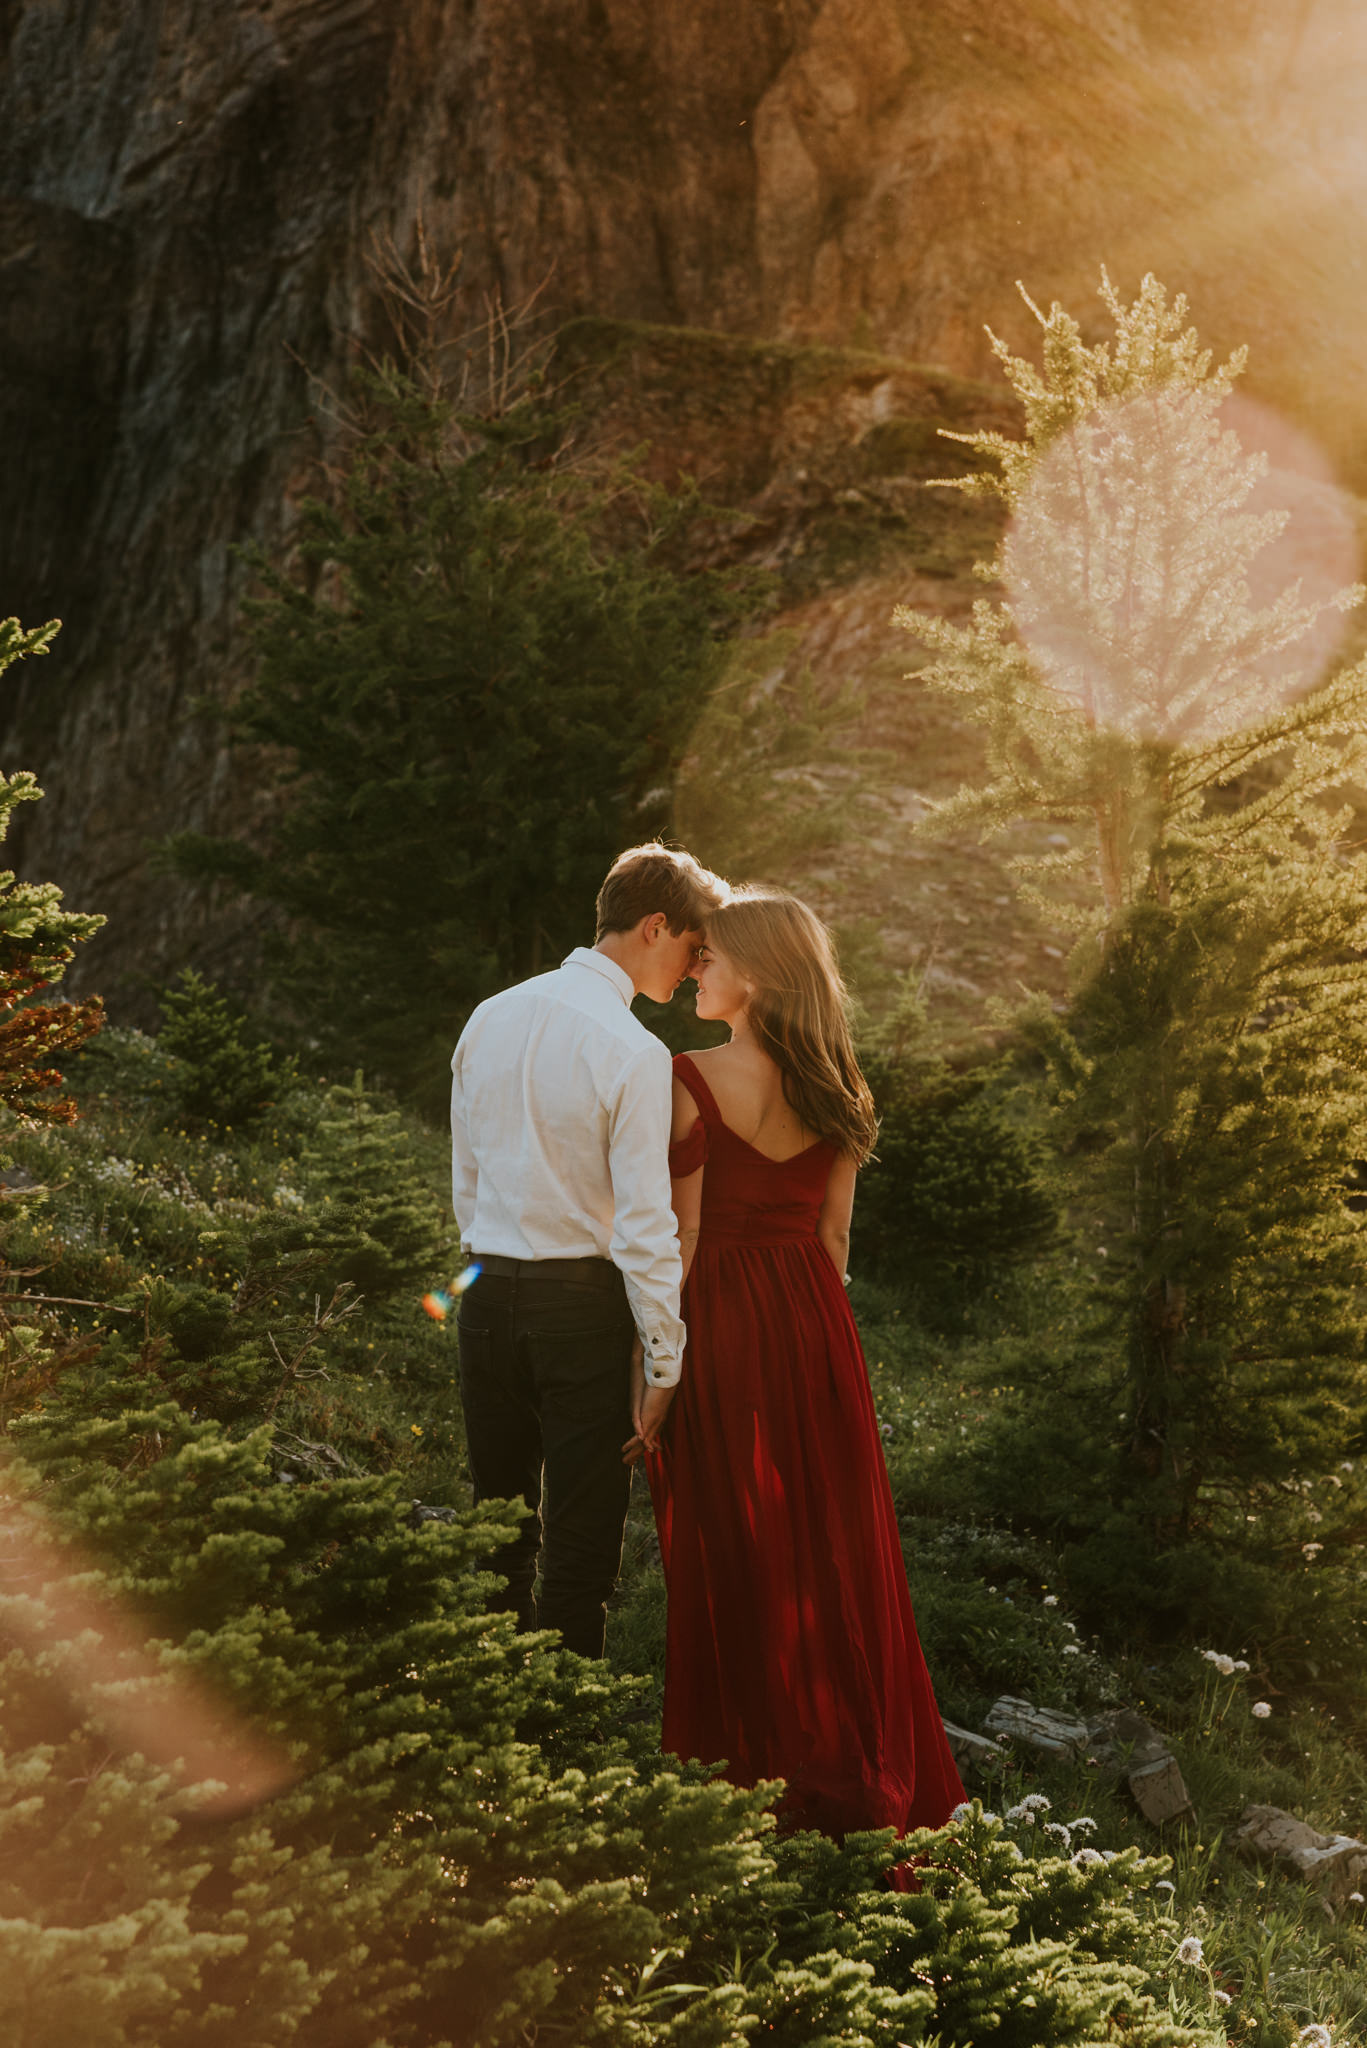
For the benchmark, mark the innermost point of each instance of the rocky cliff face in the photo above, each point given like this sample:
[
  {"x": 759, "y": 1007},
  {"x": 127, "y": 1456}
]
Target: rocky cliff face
[{"x": 189, "y": 190}]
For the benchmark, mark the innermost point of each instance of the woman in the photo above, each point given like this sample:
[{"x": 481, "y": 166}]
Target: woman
[{"x": 792, "y": 1651}]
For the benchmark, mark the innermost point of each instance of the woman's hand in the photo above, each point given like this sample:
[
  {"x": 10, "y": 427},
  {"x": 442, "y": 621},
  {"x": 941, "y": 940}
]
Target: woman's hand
[{"x": 633, "y": 1447}]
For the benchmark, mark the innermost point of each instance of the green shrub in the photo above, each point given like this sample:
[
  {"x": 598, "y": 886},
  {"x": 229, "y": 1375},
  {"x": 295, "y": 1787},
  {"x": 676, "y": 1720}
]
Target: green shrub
[
  {"x": 956, "y": 1192},
  {"x": 476, "y": 1842},
  {"x": 218, "y": 1078}
]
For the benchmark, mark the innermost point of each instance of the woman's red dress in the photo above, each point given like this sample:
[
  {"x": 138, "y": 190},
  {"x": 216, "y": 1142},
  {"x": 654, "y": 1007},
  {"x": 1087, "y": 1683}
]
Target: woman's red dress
[{"x": 792, "y": 1651}]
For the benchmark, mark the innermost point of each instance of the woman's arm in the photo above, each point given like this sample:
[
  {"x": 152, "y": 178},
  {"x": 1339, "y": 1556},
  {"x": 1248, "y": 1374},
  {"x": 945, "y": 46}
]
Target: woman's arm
[
  {"x": 686, "y": 1196},
  {"x": 833, "y": 1227}
]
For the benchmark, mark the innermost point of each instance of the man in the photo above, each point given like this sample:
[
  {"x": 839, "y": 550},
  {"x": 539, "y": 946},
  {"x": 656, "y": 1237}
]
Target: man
[{"x": 560, "y": 1112}]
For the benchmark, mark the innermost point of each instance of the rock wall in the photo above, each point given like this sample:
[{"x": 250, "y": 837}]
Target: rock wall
[{"x": 190, "y": 190}]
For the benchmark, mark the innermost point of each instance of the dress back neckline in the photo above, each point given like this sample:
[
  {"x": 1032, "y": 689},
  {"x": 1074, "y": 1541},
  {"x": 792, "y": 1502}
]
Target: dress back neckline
[{"x": 707, "y": 1106}]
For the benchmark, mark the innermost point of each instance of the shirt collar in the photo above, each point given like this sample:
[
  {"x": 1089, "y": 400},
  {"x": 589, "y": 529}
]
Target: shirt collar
[{"x": 599, "y": 963}]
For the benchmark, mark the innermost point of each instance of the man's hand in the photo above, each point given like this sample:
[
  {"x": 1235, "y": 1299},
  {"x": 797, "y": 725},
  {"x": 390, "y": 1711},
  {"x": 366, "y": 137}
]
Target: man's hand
[
  {"x": 633, "y": 1447},
  {"x": 649, "y": 1407}
]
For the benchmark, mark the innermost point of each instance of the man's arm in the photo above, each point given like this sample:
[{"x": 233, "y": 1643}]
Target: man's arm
[
  {"x": 644, "y": 1244},
  {"x": 685, "y": 1191},
  {"x": 464, "y": 1178}
]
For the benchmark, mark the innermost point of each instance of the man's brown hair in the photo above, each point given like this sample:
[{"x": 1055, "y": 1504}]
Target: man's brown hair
[{"x": 648, "y": 878}]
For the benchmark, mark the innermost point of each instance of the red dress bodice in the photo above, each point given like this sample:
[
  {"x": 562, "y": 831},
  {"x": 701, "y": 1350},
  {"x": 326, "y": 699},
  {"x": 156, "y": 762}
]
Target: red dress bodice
[{"x": 747, "y": 1198}]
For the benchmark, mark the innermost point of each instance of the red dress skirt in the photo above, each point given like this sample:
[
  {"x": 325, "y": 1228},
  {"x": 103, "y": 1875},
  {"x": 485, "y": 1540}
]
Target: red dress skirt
[{"x": 791, "y": 1650}]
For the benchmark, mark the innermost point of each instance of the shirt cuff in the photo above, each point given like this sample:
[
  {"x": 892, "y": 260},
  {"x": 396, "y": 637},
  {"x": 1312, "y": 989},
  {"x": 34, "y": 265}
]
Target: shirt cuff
[{"x": 662, "y": 1366}]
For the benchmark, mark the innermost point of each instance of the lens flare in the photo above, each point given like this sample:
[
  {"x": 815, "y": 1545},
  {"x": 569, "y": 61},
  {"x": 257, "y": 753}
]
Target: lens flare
[
  {"x": 101, "y": 1656},
  {"x": 440, "y": 1302},
  {"x": 1177, "y": 563}
]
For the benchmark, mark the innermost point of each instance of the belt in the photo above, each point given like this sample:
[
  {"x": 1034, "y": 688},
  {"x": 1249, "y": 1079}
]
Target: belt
[{"x": 495, "y": 1266}]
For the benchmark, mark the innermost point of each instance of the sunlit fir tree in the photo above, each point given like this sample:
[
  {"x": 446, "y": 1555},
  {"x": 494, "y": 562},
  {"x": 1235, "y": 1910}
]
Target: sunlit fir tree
[{"x": 1150, "y": 674}]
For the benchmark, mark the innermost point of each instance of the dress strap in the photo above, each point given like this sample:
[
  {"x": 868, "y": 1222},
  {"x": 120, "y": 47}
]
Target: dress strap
[
  {"x": 686, "y": 1071},
  {"x": 690, "y": 1152}
]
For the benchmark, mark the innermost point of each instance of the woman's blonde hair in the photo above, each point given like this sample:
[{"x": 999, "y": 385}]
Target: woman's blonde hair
[{"x": 799, "y": 1012}]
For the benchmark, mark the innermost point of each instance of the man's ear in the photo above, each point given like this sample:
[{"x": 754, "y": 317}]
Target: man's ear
[{"x": 652, "y": 926}]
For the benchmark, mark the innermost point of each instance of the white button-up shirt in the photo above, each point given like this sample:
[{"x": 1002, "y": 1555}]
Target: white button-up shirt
[{"x": 560, "y": 1115}]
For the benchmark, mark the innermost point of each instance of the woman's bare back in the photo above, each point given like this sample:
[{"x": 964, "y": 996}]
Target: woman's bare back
[{"x": 748, "y": 1088}]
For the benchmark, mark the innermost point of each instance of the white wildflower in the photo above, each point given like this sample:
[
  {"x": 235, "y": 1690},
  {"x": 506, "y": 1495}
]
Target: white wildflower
[
  {"x": 1260, "y": 1710},
  {"x": 1088, "y": 1859},
  {"x": 1241, "y": 1664},
  {"x": 1035, "y": 1802},
  {"x": 1056, "y": 1827},
  {"x": 1189, "y": 1952},
  {"x": 1071, "y": 1650},
  {"x": 961, "y": 1811},
  {"x": 1316, "y": 2037},
  {"x": 1071, "y": 1625},
  {"x": 1165, "y": 1884},
  {"x": 1085, "y": 1822},
  {"x": 1311, "y": 1550},
  {"x": 1051, "y": 1599},
  {"x": 1345, "y": 1465},
  {"x": 1221, "y": 1997}
]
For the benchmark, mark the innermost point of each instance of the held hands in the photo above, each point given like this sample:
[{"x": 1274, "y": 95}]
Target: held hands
[{"x": 649, "y": 1407}]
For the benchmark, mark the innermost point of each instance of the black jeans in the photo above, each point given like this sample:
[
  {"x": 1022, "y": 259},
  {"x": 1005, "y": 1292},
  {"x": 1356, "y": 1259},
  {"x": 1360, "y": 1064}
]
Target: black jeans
[{"x": 545, "y": 1381}]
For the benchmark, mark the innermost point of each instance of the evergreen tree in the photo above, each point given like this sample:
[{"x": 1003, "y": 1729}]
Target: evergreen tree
[
  {"x": 1209, "y": 1081},
  {"x": 37, "y": 940},
  {"x": 476, "y": 683},
  {"x": 220, "y": 1077}
]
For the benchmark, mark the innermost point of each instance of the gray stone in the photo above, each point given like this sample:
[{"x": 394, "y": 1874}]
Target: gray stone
[
  {"x": 1126, "y": 1740},
  {"x": 1335, "y": 1864},
  {"x": 1159, "y": 1791},
  {"x": 969, "y": 1749},
  {"x": 1038, "y": 1727},
  {"x": 1128, "y": 1746}
]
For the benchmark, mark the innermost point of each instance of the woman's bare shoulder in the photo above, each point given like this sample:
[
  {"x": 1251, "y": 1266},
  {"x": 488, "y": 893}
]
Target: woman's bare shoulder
[
  {"x": 708, "y": 1055},
  {"x": 722, "y": 1066}
]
